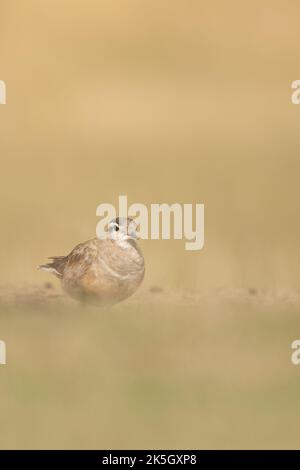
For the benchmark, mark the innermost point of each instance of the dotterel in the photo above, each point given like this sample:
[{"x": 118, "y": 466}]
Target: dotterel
[{"x": 102, "y": 271}]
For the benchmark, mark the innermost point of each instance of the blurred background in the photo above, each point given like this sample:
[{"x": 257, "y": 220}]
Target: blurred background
[{"x": 165, "y": 101}]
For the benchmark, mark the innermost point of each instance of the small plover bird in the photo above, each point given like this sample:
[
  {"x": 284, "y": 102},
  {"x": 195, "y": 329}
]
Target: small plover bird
[{"x": 102, "y": 271}]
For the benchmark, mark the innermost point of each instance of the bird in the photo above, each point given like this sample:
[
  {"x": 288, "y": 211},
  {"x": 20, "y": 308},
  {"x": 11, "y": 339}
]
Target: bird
[{"x": 102, "y": 271}]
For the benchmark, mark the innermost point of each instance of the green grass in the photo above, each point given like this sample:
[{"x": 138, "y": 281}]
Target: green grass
[{"x": 150, "y": 374}]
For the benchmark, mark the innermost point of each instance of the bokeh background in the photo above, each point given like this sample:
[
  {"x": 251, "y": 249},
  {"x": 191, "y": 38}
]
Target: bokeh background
[{"x": 165, "y": 101}]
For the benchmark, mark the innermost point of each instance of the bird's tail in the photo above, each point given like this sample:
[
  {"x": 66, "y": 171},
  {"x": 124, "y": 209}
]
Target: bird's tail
[{"x": 56, "y": 267}]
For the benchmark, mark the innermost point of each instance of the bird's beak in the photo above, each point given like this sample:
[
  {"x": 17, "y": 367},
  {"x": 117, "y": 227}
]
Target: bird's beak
[
  {"x": 133, "y": 232},
  {"x": 133, "y": 236}
]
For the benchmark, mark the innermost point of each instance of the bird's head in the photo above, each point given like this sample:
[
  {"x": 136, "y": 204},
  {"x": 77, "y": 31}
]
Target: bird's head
[{"x": 122, "y": 229}]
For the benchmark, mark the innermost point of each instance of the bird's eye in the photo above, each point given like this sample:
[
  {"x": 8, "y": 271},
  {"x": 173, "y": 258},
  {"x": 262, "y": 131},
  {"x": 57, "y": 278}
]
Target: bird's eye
[{"x": 117, "y": 228}]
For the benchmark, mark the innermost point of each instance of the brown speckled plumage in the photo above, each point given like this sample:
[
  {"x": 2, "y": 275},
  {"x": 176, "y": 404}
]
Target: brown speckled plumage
[{"x": 100, "y": 271}]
